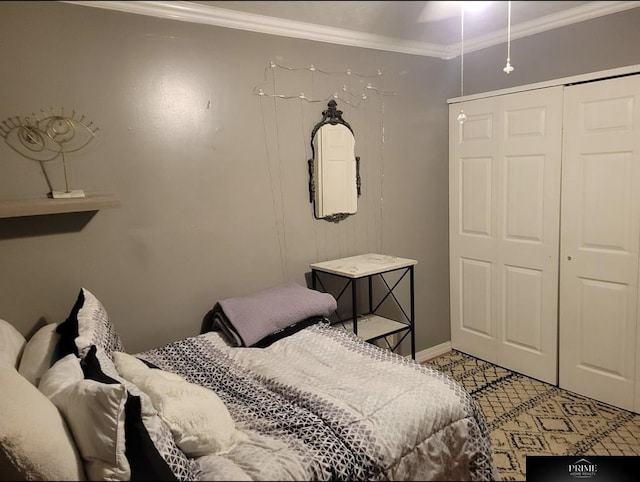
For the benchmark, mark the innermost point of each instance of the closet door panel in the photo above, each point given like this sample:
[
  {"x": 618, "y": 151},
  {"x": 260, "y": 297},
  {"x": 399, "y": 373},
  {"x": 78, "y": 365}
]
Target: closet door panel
[
  {"x": 504, "y": 212},
  {"x": 475, "y": 297},
  {"x": 600, "y": 240},
  {"x": 475, "y": 197},
  {"x": 523, "y": 306},
  {"x": 472, "y": 228},
  {"x": 530, "y": 150},
  {"x": 524, "y": 198}
]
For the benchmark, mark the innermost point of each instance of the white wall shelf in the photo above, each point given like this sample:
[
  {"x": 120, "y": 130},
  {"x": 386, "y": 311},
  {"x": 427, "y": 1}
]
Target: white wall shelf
[{"x": 35, "y": 206}]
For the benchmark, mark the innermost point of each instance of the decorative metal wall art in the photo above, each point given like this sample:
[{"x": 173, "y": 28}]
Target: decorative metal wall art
[{"x": 46, "y": 136}]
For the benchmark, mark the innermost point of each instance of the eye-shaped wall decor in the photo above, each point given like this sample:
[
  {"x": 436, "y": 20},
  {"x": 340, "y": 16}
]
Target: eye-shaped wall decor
[
  {"x": 46, "y": 136},
  {"x": 334, "y": 169}
]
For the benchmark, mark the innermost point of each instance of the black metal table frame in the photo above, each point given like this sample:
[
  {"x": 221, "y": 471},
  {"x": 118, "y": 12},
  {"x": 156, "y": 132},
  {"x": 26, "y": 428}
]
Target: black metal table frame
[{"x": 409, "y": 319}]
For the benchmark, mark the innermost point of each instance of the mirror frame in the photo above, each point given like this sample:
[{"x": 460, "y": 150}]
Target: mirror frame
[{"x": 331, "y": 116}]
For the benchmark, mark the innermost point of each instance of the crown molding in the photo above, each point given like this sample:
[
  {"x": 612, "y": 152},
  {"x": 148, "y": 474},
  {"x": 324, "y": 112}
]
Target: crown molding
[{"x": 222, "y": 17}]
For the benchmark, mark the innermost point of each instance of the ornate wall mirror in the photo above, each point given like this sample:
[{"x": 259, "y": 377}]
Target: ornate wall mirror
[{"x": 334, "y": 169}]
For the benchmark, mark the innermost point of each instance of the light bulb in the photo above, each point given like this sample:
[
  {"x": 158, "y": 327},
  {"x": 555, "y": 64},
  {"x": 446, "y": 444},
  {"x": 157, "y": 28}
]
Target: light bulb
[{"x": 508, "y": 68}]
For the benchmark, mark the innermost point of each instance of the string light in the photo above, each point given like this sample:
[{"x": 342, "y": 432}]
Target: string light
[
  {"x": 508, "y": 68},
  {"x": 462, "y": 116},
  {"x": 302, "y": 96},
  {"x": 312, "y": 68},
  {"x": 348, "y": 98},
  {"x": 268, "y": 88}
]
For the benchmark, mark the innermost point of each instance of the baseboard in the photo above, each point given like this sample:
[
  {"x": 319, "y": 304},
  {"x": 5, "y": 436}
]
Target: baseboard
[{"x": 429, "y": 353}]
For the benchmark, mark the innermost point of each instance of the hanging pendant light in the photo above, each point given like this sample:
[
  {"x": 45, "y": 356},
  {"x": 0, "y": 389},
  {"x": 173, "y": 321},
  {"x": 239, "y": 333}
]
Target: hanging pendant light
[
  {"x": 508, "y": 68},
  {"x": 462, "y": 116}
]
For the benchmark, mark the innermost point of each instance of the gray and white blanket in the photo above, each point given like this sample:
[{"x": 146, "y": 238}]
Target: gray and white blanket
[{"x": 322, "y": 404}]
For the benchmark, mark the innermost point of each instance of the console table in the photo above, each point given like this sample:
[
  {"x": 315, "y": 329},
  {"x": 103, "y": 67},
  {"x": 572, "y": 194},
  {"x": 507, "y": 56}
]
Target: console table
[{"x": 370, "y": 325}]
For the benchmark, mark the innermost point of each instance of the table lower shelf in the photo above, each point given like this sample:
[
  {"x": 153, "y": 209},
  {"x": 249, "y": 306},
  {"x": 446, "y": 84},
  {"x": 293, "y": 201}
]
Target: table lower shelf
[{"x": 372, "y": 327}]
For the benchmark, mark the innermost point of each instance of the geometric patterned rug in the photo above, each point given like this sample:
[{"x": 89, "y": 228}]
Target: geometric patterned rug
[{"x": 527, "y": 416}]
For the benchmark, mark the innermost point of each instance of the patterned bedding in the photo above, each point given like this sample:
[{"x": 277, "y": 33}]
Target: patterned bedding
[{"x": 322, "y": 404}]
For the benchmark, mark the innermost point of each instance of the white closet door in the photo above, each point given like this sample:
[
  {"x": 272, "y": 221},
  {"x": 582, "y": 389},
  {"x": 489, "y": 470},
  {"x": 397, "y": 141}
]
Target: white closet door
[
  {"x": 599, "y": 240},
  {"x": 473, "y": 153},
  {"x": 504, "y": 229}
]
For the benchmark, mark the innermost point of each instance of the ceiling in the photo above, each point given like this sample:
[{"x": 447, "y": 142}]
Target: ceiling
[
  {"x": 401, "y": 26},
  {"x": 400, "y": 19}
]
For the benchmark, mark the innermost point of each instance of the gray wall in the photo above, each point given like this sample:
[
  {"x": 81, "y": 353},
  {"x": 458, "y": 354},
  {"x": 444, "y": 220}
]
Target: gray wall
[
  {"x": 213, "y": 180},
  {"x": 599, "y": 44}
]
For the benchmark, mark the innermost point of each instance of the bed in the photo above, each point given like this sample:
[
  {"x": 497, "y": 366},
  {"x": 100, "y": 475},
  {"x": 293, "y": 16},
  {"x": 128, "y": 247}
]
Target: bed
[{"x": 307, "y": 401}]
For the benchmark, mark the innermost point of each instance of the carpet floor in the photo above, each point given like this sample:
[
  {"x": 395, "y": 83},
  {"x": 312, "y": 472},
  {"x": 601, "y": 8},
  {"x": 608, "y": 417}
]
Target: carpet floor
[{"x": 527, "y": 416}]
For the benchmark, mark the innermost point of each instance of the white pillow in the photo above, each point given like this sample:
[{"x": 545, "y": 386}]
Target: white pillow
[
  {"x": 35, "y": 442},
  {"x": 94, "y": 326},
  {"x": 198, "y": 418},
  {"x": 95, "y": 413},
  {"x": 153, "y": 453},
  {"x": 88, "y": 324},
  {"x": 38, "y": 352},
  {"x": 11, "y": 344}
]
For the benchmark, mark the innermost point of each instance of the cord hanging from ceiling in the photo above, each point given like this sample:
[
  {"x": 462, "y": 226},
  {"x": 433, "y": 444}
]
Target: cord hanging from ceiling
[
  {"x": 508, "y": 68},
  {"x": 462, "y": 116}
]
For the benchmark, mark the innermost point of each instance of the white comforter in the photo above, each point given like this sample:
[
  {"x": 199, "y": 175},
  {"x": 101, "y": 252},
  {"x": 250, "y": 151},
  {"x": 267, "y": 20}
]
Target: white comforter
[{"x": 324, "y": 405}]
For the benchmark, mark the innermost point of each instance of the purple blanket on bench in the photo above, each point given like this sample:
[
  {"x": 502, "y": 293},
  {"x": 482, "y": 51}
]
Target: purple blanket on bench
[{"x": 248, "y": 319}]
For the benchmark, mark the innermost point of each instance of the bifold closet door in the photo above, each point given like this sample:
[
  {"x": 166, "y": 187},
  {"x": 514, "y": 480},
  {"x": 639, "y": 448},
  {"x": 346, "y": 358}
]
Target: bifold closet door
[
  {"x": 504, "y": 208},
  {"x": 600, "y": 237}
]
